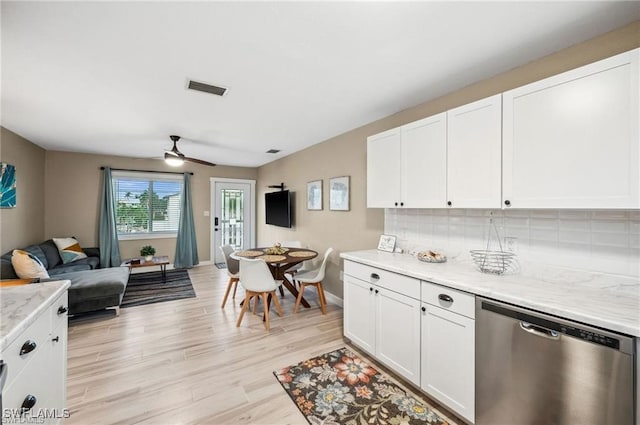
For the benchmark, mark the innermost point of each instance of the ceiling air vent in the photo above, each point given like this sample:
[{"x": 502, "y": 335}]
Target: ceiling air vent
[
  {"x": 207, "y": 88},
  {"x": 273, "y": 151}
]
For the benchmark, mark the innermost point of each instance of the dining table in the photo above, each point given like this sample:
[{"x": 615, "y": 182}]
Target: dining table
[{"x": 280, "y": 263}]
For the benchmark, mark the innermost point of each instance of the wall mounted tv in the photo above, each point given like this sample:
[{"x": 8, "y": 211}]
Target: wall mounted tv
[{"x": 278, "y": 208}]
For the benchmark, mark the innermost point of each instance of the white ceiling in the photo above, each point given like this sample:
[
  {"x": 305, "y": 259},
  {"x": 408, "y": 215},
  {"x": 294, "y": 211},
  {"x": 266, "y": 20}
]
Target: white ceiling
[{"x": 110, "y": 77}]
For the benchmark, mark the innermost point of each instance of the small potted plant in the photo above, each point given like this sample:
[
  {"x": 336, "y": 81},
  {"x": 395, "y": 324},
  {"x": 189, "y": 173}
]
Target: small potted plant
[{"x": 147, "y": 252}]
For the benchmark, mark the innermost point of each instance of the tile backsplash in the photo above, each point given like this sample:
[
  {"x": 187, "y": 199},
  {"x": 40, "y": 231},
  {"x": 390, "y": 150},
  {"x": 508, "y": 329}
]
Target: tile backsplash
[{"x": 605, "y": 241}]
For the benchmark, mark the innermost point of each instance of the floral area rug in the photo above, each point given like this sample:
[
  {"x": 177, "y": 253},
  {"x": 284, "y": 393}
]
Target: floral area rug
[{"x": 340, "y": 388}]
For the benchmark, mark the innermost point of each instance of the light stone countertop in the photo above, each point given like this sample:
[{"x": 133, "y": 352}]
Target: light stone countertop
[
  {"x": 22, "y": 305},
  {"x": 598, "y": 299}
]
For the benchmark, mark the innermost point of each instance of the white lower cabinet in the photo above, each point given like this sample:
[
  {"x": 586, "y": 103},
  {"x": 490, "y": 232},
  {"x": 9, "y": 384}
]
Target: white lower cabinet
[
  {"x": 423, "y": 331},
  {"x": 37, "y": 369},
  {"x": 448, "y": 348},
  {"x": 398, "y": 333},
  {"x": 383, "y": 322}
]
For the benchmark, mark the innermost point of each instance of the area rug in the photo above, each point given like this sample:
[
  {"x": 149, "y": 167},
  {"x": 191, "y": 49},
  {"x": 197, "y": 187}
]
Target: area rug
[
  {"x": 221, "y": 266},
  {"x": 150, "y": 287},
  {"x": 339, "y": 388}
]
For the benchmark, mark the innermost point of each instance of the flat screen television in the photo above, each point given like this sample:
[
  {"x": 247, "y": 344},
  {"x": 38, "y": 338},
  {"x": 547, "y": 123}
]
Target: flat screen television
[{"x": 278, "y": 208}]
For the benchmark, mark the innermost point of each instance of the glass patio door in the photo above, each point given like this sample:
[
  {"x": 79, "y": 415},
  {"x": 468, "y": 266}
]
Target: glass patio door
[{"x": 232, "y": 220}]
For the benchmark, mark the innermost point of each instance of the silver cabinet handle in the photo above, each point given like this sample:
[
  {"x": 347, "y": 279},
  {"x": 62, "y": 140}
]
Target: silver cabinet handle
[{"x": 445, "y": 298}]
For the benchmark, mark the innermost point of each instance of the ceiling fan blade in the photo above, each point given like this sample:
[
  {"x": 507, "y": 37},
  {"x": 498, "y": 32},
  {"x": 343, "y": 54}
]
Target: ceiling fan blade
[{"x": 199, "y": 161}]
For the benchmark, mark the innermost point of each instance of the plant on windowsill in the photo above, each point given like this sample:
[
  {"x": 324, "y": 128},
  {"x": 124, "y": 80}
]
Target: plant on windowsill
[{"x": 147, "y": 252}]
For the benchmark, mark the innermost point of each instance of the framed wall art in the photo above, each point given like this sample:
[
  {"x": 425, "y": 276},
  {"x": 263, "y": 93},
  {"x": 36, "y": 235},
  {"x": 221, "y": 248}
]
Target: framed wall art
[
  {"x": 314, "y": 195},
  {"x": 339, "y": 193},
  {"x": 387, "y": 243},
  {"x": 7, "y": 185}
]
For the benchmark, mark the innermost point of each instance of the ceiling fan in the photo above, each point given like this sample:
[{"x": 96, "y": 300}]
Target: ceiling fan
[{"x": 175, "y": 158}]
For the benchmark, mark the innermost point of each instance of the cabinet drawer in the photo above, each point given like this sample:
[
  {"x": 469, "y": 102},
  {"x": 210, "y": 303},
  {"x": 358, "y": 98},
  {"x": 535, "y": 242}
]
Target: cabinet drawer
[
  {"x": 449, "y": 299},
  {"x": 38, "y": 333},
  {"x": 33, "y": 381},
  {"x": 59, "y": 311},
  {"x": 385, "y": 279}
]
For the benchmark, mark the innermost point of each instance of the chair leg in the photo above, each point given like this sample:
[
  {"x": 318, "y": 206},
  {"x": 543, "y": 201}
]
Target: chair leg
[
  {"x": 235, "y": 288},
  {"x": 323, "y": 300},
  {"x": 299, "y": 299},
  {"x": 277, "y": 304},
  {"x": 232, "y": 282},
  {"x": 281, "y": 291},
  {"x": 255, "y": 304},
  {"x": 266, "y": 310},
  {"x": 245, "y": 306}
]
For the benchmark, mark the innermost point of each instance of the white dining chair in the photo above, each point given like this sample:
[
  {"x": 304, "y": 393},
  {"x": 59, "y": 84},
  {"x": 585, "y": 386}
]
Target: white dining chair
[
  {"x": 314, "y": 278},
  {"x": 257, "y": 280},
  {"x": 233, "y": 268}
]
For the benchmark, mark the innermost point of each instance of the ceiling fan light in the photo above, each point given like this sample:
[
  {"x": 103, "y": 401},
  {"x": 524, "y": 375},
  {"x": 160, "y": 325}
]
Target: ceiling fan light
[{"x": 173, "y": 160}]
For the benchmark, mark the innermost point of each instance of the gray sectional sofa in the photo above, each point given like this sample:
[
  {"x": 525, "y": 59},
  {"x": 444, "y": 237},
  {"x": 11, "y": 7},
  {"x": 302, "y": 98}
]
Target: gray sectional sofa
[{"x": 92, "y": 288}]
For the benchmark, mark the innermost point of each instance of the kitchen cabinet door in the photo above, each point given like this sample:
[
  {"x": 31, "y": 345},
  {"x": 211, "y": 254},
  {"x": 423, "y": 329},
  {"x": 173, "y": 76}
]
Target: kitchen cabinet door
[
  {"x": 398, "y": 333},
  {"x": 448, "y": 353},
  {"x": 359, "y": 314},
  {"x": 383, "y": 169},
  {"x": 474, "y": 154},
  {"x": 572, "y": 140},
  {"x": 424, "y": 163}
]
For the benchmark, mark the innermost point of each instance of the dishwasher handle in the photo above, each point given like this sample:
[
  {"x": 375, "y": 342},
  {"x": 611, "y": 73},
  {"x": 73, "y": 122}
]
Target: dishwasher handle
[{"x": 539, "y": 331}]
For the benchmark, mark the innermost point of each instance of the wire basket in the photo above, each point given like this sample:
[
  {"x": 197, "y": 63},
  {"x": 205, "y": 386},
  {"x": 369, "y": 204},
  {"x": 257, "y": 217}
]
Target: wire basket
[
  {"x": 495, "y": 262},
  {"x": 492, "y": 261}
]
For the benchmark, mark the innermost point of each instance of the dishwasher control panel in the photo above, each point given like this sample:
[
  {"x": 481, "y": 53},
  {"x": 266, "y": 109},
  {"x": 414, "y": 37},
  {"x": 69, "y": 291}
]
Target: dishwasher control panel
[{"x": 562, "y": 327}]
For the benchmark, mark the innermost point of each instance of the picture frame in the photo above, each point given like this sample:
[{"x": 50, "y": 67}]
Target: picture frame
[
  {"x": 339, "y": 193},
  {"x": 314, "y": 195},
  {"x": 387, "y": 243},
  {"x": 7, "y": 185}
]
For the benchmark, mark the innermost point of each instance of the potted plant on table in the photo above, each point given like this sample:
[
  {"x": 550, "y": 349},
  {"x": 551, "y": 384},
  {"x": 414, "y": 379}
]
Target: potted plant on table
[{"x": 147, "y": 252}]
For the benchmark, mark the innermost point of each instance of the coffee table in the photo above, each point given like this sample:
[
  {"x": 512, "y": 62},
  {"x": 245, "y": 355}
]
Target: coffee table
[{"x": 161, "y": 260}]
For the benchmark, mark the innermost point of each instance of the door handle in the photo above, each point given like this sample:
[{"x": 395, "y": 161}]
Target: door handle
[
  {"x": 539, "y": 331},
  {"x": 215, "y": 221}
]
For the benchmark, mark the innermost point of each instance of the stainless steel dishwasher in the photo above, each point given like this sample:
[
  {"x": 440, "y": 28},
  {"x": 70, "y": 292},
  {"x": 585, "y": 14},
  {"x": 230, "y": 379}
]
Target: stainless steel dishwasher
[{"x": 535, "y": 369}]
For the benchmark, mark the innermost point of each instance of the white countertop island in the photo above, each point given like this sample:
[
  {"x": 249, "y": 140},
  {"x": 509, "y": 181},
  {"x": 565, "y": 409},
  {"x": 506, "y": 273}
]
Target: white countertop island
[
  {"x": 21, "y": 305},
  {"x": 598, "y": 299}
]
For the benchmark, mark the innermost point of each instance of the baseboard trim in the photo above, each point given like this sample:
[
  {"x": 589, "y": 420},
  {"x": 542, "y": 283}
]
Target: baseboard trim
[{"x": 333, "y": 299}]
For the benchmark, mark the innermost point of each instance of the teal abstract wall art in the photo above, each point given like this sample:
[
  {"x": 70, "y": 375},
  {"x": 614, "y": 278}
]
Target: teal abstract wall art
[{"x": 7, "y": 185}]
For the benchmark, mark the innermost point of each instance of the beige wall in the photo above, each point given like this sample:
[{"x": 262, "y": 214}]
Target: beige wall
[
  {"x": 346, "y": 155},
  {"x": 72, "y": 199},
  {"x": 24, "y": 224}
]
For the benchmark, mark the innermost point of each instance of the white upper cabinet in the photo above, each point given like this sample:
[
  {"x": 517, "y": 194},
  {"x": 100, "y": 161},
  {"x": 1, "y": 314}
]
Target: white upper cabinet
[
  {"x": 474, "y": 154},
  {"x": 424, "y": 163},
  {"x": 572, "y": 140},
  {"x": 406, "y": 166},
  {"x": 383, "y": 169}
]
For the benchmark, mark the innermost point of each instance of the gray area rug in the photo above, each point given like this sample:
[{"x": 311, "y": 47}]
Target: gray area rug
[
  {"x": 149, "y": 288},
  {"x": 221, "y": 265}
]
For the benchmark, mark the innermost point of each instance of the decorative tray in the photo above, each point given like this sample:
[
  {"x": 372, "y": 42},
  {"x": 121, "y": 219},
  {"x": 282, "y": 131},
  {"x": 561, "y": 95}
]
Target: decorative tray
[{"x": 431, "y": 257}]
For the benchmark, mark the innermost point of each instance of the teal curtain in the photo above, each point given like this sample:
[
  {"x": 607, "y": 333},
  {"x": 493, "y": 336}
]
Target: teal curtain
[
  {"x": 109, "y": 250},
  {"x": 186, "y": 247}
]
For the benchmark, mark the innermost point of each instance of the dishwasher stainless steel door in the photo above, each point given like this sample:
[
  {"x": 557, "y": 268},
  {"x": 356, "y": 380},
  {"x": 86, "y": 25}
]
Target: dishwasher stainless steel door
[{"x": 535, "y": 369}]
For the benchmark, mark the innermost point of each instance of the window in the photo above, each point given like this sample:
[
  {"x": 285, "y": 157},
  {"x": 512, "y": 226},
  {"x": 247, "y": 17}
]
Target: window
[{"x": 147, "y": 203}]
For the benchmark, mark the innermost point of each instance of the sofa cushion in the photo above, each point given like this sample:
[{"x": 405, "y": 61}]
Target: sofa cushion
[
  {"x": 68, "y": 268},
  {"x": 27, "y": 265},
  {"x": 6, "y": 268},
  {"x": 88, "y": 263},
  {"x": 69, "y": 249},
  {"x": 97, "y": 283},
  {"x": 37, "y": 251},
  {"x": 51, "y": 253}
]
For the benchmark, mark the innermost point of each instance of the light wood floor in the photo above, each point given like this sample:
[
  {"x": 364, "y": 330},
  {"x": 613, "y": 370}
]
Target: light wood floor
[{"x": 185, "y": 362}]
